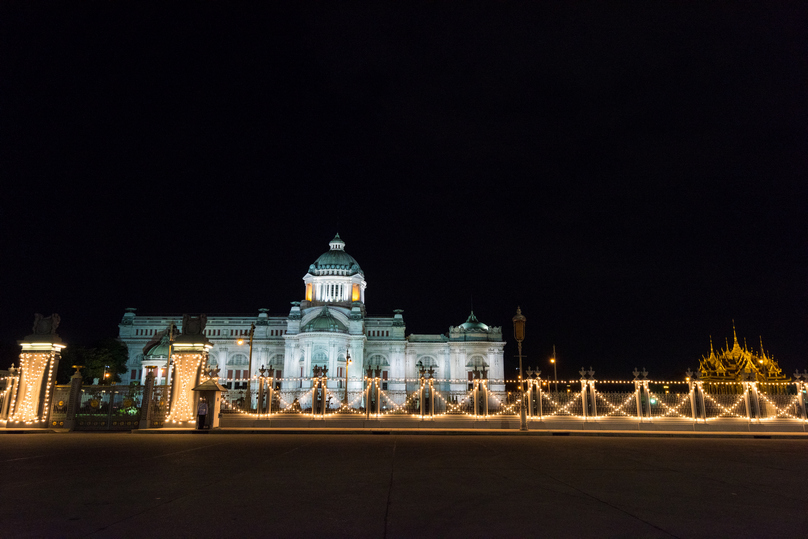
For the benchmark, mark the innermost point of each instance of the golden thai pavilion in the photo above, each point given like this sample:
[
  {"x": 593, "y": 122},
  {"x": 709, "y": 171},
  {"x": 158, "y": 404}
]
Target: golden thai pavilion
[{"x": 730, "y": 365}]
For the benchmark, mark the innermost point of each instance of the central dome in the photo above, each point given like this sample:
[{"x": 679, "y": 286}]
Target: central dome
[{"x": 335, "y": 261}]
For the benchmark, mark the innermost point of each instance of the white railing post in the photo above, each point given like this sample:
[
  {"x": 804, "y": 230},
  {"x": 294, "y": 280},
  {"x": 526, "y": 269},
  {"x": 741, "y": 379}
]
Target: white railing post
[
  {"x": 474, "y": 397},
  {"x": 485, "y": 398},
  {"x": 637, "y": 394},
  {"x": 431, "y": 399},
  {"x": 799, "y": 381},
  {"x": 755, "y": 398},
  {"x": 538, "y": 397},
  {"x": 584, "y": 383},
  {"x": 692, "y": 392},
  {"x": 647, "y": 390},
  {"x": 750, "y": 415},
  {"x": 367, "y": 395},
  {"x": 421, "y": 402}
]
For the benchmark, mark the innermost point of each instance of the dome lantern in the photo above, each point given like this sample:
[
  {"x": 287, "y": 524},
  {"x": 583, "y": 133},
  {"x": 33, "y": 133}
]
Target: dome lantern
[{"x": 335, "y": 277}]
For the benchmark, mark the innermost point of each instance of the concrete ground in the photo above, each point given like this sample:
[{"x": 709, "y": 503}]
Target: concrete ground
[{"x": 371, "y": 485}]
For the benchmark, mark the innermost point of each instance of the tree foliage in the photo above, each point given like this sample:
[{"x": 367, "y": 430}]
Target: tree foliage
[{"x": 107, "y": 355}]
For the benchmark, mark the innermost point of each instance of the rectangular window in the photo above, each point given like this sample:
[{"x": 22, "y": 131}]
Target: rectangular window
[
  {"x": 384, "y": 375},
  {"x": 134, "y": 375},
  {"x": 471, "y": 376},
  {"x": 229, "y": 374}
]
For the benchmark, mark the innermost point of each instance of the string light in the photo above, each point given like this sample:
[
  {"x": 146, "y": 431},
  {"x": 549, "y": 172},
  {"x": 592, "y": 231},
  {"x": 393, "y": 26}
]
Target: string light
[
  {"x": 662, "y": 406},
  {"x": 32, "y": 369},
  {"x": 186, "y": 368}
]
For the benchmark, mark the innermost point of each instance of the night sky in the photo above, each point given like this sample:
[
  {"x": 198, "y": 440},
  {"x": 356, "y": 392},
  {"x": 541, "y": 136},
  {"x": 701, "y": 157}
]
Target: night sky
[{"x": 633, "y": 175}]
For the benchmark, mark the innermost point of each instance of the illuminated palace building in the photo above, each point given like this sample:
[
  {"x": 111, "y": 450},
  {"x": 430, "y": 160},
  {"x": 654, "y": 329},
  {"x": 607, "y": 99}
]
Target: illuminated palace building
[{"x": 320, "y": 331}]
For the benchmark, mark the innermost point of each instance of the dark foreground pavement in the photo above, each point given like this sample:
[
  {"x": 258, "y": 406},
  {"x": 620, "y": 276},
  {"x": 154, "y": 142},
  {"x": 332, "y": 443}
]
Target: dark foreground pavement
[{"x": 120, "y": 485}]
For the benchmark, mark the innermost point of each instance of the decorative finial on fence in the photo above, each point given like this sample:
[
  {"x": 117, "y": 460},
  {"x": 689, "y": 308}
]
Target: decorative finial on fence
[
  {"x": 644, "y": 373},
  {"x": 582, "y": 372},
  {"x": 591, "y": 373}
]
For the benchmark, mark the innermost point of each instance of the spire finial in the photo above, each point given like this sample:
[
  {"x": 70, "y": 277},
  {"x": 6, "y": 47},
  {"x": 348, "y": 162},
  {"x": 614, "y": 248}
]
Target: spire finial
[
  {"x": 711, "y": 345},
  {"x": 734, "y": 335}
]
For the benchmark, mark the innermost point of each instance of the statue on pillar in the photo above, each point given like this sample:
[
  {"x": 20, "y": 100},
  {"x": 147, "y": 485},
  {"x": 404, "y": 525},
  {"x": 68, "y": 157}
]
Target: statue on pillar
[{"x": 45, "y": 326}]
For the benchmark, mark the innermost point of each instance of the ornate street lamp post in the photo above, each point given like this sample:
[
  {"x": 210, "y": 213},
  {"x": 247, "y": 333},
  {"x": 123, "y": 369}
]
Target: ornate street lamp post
[
  {"x": 247, "y": 397},
  {"x": 347, "y": 364},
  {"x": 519, "y": 335},
  {"x": 555, "y": 369}
]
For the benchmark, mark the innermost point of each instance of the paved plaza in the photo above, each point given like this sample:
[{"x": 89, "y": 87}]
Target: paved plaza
[{"x": 389, "y": 485}]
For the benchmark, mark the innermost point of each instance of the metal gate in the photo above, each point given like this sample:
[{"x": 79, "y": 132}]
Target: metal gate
[{"x": 109, "y": 408}]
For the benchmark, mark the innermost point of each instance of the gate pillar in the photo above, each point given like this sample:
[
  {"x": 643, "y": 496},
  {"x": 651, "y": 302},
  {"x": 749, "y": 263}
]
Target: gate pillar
[
  {"x": 39, "y": 360},
  {"x": 73, "y": 399},
  {"x": 11, "y": 390},
  {"x": 190, "y": 357},
  {"x": 146, "y": 402}
]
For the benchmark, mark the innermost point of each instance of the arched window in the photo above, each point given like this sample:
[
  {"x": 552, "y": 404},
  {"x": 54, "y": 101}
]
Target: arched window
[
  {"x": 377, "y": 360},
  {"x": 319, "y": 357},
  {"x": 276, "y": 360},
  {"x": 476, "y": 361},
  {"x": 238, "y": 359},
  {"x": 428, "y": 361}
]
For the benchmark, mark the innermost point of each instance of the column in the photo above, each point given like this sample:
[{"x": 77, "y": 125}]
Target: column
[
  {"x": 584, "y": 407},
  {"x": 39, "y": 360},
  {"x": 74, "y": 400},
  {"x": 638, "y": 398},
  {"x": 146, "y": 403},
  {"x": 189, "y": 352}
]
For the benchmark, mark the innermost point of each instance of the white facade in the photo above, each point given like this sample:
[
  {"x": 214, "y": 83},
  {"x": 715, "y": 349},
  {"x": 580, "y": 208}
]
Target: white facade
[{"x": 320, "y": 330}]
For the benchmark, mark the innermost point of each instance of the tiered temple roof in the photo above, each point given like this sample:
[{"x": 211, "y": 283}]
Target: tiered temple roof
[{"x": 731, "y": 364}]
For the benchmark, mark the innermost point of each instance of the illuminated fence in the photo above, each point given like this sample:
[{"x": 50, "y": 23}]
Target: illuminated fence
[
  {"x": 617, "y": 404},
  {"x": 586, "y": 399}
]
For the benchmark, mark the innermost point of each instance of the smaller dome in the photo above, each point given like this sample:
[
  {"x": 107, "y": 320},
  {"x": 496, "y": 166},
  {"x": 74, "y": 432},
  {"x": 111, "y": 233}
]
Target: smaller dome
[
  {"x": 160, "y": 349},
  {"x": 472, "y": 324},
  {"x": 324, "y": 321}
]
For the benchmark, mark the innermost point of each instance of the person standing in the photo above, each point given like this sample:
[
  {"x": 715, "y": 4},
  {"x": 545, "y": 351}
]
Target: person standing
[{"x": 202, "y": 412}]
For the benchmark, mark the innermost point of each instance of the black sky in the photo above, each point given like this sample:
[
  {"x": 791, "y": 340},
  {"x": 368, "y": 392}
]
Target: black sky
[{"x": 633, "y": 175}]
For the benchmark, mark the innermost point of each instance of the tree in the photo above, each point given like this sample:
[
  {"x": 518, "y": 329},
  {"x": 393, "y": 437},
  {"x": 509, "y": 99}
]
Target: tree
[{"x": 107, "y": 356}]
